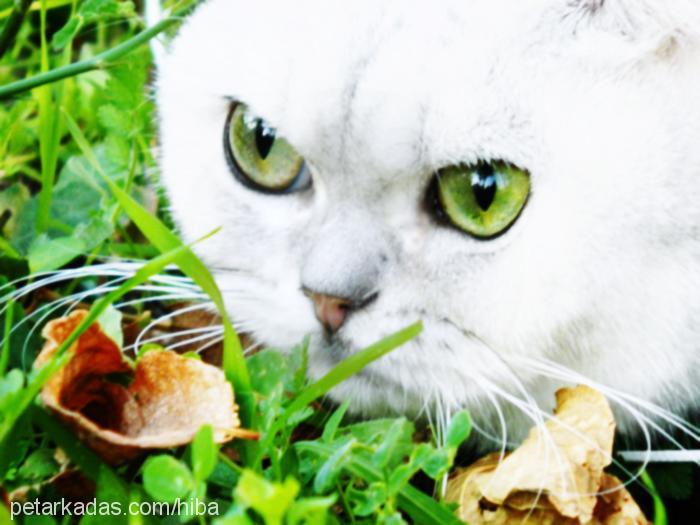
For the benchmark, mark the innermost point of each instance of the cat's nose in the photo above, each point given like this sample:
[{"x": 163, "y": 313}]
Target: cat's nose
[{"x": 332, "y": 311}]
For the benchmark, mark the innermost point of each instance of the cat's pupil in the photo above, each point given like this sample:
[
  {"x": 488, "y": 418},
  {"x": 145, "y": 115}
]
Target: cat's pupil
[
  {"x": 484, "y": 186},
  {"x": 264, "y": 138}
]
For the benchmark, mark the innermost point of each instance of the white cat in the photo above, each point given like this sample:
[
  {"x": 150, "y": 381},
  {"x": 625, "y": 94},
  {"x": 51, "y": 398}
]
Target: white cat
[{"x": 522, "y": 176}]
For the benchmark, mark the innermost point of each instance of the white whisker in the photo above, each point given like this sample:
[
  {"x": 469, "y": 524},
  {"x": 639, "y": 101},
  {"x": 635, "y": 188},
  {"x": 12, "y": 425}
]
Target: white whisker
[
  {"x": 205, "y": 337},
  {"x": 173, "y": 335},
  {"x": 162, "y": 319},
  {"x": 161, "y": 298},
  {"x": 211, "y": 343}
]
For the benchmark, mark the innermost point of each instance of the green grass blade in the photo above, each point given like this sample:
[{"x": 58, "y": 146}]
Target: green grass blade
[
  {"x": 352, "y": 365},
  {"x": 48, "y": 134},
  {"x": 13, "y": 24},
  {"x": 660, "y": 516},
  {"x": 424, "y": 509},
  {"x": 5, "y": 351},
  {"x": 163, "y": 239}
]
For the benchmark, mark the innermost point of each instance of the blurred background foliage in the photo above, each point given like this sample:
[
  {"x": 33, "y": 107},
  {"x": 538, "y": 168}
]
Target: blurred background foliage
[{"x": 53, "y": 209}]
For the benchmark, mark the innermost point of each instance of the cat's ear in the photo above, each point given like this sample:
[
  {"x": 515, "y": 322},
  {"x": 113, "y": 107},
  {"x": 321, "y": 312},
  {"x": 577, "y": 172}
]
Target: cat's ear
[{"x": 654, "y": 22}]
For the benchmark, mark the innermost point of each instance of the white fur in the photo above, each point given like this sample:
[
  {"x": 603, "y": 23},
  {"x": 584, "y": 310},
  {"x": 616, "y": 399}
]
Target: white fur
[{"x": 599, "y": 101}]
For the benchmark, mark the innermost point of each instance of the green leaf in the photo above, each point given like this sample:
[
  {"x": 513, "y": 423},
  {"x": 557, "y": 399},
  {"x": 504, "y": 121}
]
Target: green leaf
[
  {"x": 438, "y": 463},
  {"x": 299, "y": 417},
  {"x": 371, "y": 431},
  {"x": 94, "y": 231},
  {"x": 267, "y": 369},
  {"x": 334, "y": 421},
  {"x": 10, "y": 387},
  {"x": 66, "y": 34},
  {"x": 12, "y": 199},
  {"x": 166, "y": 479},
  {"x": 204, "y": 452},
  {"x": 110, "y": 491},
  {"x": 270, "y": 500},
  {"x": 79, "y": 207},
  {"x": 104, "y": 9},
  {"x": 196, "y": 496},
  {"x": 39, "y": 465},
  {"x": 115, "y": 120},
  {"x": 330, "y": 470},
  {"x": 310, "y": 511},
  {"x": 401, "y": 475},
  {"x": 393, "y": 519},
  {"x": 387, "y": 447},
  {"x": 90, "y": 11},
  {"x": 289, "y": 463},
  {"x": 224, "y": 475},
  {"x": 21, "y": 436},
  {"x": 368, "y": 501},
  {"x": 48, "y": 254},
  {"x": 419, "y": 506},
  {"x": 459, "y": 429}
]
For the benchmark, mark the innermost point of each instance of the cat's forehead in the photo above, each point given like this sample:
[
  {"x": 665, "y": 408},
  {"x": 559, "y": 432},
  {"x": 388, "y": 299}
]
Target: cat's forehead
[{"x": 388, "y": 83}]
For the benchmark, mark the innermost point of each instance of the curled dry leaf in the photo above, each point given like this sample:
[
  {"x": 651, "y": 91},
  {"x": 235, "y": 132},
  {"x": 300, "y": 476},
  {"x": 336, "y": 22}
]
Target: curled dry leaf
[
  {"x": 555, "y": 477},
  {"x": 121, "y": 410}
]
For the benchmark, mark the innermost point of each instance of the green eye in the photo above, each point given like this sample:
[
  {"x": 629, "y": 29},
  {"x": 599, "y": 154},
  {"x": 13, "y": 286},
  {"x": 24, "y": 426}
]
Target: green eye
[
  {"x": 259, "y": 158},
  {"x": 483, "y": 199}
]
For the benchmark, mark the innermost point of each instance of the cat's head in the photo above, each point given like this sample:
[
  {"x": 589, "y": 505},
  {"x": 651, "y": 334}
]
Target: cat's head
[{"x": 520, "y": 176}]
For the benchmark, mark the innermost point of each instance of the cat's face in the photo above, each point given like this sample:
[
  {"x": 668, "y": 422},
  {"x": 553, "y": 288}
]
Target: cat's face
[{"x": 598, "y": 271}]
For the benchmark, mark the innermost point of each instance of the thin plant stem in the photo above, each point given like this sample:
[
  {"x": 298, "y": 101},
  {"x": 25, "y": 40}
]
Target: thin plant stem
[
  {"x": 48, "y": 130},
  {"x": 99, "y": 61}
]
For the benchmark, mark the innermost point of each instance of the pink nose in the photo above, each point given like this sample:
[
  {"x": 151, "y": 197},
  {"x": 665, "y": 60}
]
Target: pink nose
[{"x": 330, "y": 311}]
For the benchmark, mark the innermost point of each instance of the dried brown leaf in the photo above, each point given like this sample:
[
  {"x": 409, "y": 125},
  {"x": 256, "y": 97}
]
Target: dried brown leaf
[
  {"x": 168, "y": 397},
  {"x": 555, "y": 476}
]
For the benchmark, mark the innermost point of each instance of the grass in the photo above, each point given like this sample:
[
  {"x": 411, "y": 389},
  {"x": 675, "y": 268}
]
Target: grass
[{"x": 77, "y": 187}]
